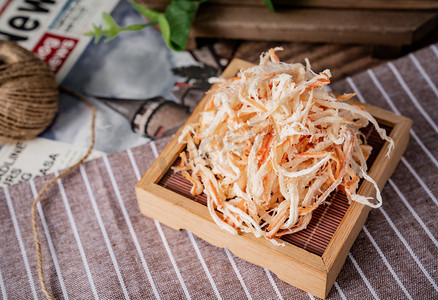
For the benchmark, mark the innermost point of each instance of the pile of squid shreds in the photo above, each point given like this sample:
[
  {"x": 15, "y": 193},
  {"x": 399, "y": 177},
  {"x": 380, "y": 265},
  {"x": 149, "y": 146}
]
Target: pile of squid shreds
[{"x": 272, "y": 144}]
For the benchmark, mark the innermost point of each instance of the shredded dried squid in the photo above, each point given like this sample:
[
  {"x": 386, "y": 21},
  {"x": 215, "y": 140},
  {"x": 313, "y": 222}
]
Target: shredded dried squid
[{"x": 272, "y": 144}]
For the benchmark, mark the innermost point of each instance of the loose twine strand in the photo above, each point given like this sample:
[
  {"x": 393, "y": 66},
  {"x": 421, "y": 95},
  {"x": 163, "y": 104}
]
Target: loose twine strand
[
  {"x": 38, "y": 252},
  {"x": 28, "y": 104}
]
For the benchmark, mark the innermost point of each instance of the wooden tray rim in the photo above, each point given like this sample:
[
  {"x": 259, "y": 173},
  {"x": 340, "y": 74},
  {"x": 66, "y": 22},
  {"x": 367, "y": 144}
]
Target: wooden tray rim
[{"x": 329, "y": 264}]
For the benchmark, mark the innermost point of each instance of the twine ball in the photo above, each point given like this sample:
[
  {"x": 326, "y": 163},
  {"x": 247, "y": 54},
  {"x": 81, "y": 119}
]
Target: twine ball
[{"x": 28, "y": 94}]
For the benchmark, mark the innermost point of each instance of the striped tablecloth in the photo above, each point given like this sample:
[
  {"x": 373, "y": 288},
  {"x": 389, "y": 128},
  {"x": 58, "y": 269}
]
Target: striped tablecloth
[{"x": 96, "y": 244}]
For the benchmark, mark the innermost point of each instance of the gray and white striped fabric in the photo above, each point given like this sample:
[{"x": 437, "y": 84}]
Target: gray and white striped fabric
[{"x": 97, "y": 245}]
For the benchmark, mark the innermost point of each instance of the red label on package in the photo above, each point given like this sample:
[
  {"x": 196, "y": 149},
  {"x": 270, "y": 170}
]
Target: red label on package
[{"x": 54, "y": 49}]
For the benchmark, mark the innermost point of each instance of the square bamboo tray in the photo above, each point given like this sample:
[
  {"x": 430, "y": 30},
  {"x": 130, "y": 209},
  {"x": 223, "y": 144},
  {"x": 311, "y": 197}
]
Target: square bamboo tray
[{"x": 311, "y": 259}]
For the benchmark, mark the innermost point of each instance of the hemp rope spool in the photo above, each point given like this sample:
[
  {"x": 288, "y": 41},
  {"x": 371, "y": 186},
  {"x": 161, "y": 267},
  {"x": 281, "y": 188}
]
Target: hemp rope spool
[{"x": 28, "y": 94}]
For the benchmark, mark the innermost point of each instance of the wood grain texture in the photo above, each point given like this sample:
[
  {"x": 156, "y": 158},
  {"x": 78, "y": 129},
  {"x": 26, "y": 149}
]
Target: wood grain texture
[
  {"x": 307, "y": 271},
  {"x": 382, "y": 27},
  {"x": 372, "y": 22},
  {"x": 351, "y": 4}
]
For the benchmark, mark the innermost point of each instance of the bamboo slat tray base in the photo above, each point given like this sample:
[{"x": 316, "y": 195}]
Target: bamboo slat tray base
[{"x": 312, "y": 258}]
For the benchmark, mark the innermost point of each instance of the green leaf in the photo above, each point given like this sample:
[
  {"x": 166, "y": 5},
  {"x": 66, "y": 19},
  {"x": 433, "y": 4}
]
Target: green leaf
[
  {"x": 269, "y": 4},
  {"x": 111, "y": 29},
  {"x": 165, "y": 29},
  {"x": 180, "y": 15},
  {"x": 175, "y": 22}
]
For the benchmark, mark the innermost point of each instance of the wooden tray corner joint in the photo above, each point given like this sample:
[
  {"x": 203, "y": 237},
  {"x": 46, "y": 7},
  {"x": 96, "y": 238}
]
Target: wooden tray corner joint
[{"x": 310, "y": 254}]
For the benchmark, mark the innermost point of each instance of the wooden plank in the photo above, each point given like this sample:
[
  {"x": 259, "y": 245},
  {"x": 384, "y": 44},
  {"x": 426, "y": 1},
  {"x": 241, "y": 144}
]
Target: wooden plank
[
  {"x": 350, "y": 4},
  {"x": 394, "y": 28},
  {"x": 391, "y": 24},
  {"x": 312, "y": 273}
]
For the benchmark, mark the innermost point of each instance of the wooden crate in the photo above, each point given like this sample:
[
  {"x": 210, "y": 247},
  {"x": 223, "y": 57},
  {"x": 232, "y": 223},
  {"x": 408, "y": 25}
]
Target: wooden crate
[
  {"x": 349, "y": 4},
  {"x": 312, "y": 271},
  {"x": 391, "y": 24}
]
